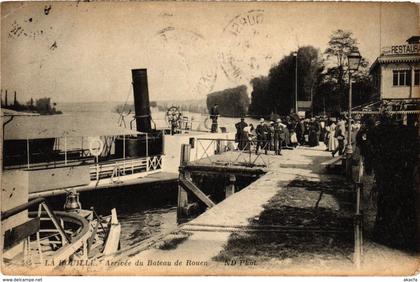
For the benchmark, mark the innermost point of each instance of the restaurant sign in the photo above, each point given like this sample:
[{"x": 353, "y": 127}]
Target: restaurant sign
[{"x": 406, "y": 49}]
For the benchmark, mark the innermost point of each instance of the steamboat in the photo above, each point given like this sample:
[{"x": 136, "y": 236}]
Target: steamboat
[{"x": 45, "y": 156}]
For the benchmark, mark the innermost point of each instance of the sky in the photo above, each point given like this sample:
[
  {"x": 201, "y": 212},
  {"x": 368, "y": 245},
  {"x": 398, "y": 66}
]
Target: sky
[{"x": 84, "y": 52}]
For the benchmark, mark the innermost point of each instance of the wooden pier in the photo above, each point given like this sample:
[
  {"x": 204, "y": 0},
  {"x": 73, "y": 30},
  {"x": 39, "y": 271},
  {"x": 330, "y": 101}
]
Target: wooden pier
[
  {"x": 209, "y": 236},
  {"x": 215, "y": 166}
]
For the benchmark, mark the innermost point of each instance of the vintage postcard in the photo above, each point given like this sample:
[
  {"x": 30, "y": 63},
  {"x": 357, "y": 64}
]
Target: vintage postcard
[{"x": 210, "y": 138}]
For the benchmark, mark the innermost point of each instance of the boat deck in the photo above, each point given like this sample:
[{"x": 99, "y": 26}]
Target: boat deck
[{"x": 151, "y": 178}]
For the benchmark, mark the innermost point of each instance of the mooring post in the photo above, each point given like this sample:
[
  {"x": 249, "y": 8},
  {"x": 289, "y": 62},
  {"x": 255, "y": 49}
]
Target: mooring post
[
  {"x": 218, "y": 147},
  {"x": 358, "y": 229},
  {"x": 182, "y": 194},
  {"x": 230, "y": 188},
  {"x": 185, "y": 154},
  {"x": 358, "y": 247}
]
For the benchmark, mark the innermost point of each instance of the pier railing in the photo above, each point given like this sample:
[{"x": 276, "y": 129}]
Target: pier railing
[{"x": 209, "y": 149}]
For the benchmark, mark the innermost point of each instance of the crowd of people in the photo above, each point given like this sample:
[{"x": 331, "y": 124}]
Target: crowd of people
[{"x": 291, "y": 131}]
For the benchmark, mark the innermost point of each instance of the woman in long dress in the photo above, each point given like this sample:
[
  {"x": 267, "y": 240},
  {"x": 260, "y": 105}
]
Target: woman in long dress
[{"x": 332, "y": 141}]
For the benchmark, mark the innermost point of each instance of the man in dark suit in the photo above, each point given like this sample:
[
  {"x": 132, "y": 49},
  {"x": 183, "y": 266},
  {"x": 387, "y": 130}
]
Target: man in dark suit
[
  {"x": 240, "y": 136},
  {"x": 278, "y": 135},
  {"x": 214, "y": 115},
  {"x": 261, "y": 131}
]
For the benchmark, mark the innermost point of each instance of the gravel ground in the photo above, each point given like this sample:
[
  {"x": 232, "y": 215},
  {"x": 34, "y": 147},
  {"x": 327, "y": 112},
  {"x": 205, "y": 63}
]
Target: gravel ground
[{"x": 301, "y": 205}]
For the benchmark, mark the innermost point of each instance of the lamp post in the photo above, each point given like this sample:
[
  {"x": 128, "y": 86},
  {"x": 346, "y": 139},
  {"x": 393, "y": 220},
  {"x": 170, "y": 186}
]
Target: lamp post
[
  {"x": 354, "y": 59},
  {"x": 295, "y": 54}
]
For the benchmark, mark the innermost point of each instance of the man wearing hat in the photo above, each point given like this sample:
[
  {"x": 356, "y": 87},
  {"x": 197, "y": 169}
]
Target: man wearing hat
[
  {"x": 214, "y": 114},
  {"x": 240, "y": 134},
  {"x": 261, "y": 131},
  {"x": 278, "y": 137}
]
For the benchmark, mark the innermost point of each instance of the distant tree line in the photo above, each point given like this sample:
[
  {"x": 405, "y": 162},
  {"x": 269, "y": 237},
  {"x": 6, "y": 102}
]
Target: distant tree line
[
  {"x": 43, "y": 106},
  {"x": 233, "y": 102},
  {"x": 162, "y": 106},
  {"x": 322, "y": 78},
  {"x": 183, "y": 107}
]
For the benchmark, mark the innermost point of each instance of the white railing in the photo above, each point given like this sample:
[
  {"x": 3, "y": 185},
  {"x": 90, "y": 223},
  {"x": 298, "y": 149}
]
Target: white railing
[
  {"x": 124, "y": 167},
  {"x": 219, "y": 145}
]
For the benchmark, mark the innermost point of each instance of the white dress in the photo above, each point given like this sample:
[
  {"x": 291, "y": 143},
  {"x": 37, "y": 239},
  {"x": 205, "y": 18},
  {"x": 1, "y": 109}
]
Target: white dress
[{"x": 332, "y": 141}]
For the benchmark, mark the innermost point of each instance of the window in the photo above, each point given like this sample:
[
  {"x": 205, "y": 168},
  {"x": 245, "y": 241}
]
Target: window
[
  {"x": 401, "y": 78},
  {"x": 395, "y": 80},
  {"x": 416, "y": 77}
]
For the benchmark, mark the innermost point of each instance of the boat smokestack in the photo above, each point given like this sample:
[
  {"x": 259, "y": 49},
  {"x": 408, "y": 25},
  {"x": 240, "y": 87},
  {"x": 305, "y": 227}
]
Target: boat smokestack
[{"x": 141, "y": 100}]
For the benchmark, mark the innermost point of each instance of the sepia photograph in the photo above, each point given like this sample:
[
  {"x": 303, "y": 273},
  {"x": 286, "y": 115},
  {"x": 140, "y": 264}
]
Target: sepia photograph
[{"x": 213, "y": 138}]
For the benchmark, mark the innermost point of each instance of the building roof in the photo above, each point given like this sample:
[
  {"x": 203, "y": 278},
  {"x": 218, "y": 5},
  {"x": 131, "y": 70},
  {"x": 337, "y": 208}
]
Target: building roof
[
  {"x": 389, "y": 59},
  {"x": 399, "y": 59},
  {"x": 399, "y": 53},
  {"x": 413, "y": 39},
  {"x": 55, "y": 126}
]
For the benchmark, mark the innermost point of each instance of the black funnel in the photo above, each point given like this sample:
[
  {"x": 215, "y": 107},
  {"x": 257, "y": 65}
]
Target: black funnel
[{"x": 141, "y": 100}]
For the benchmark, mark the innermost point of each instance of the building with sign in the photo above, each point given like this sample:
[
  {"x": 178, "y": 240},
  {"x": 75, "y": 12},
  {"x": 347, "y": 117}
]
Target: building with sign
[
  {"x": 396, "y": 75},
  {"x": 396, "y": 72}
]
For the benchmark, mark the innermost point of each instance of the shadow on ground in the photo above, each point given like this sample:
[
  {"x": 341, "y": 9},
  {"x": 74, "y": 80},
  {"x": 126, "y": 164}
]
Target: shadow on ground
[{"x": 316, "y": 224}]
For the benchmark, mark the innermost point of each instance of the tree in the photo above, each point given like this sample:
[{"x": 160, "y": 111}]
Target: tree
[
  {"x": 233, "y": 102},
  {"x": 276, "y": 93},
  {"x": 259, "y": 96},
  {"x": 281, "y": 86},
  {"x": 310, "y": 66},
  {"x": 333, "y": 85},
  {"x": 43, "y": 106}
]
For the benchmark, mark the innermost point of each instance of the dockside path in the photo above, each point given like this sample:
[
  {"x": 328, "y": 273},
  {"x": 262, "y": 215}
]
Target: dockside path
[{"x": 295, "y": 219}]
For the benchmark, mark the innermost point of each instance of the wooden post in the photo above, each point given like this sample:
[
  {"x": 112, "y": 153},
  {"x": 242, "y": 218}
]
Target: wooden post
[
  {"x": 124, "y": 147},
  {"x": 357, "y": 243},
  {"x": 182, "y": 194},
  {"x": 358, "y": 231},
  {"x": 65, "y": 149},
  {"x": 230, "y": 188},
  {"x": 124, "y": 154},
  {"x": 218, "y": 147},
  {"x": 147, "y": 145},
  {"x": 185, "y": 154},
  {"x": 147, "y": 153},
  {"x": 97, "y": 167},
  {"x": 182, "y": 202},
  {"x": 196, "y": 149},
  {"x": 27, "y": 152}
]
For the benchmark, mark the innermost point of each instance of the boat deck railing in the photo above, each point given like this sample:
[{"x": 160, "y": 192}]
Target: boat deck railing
[
  {"x": 102, "y": 169},
  {"x": 121, "y": 167},
  {"x": 74, "y": 157}
]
